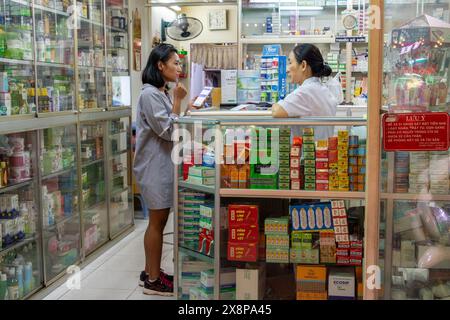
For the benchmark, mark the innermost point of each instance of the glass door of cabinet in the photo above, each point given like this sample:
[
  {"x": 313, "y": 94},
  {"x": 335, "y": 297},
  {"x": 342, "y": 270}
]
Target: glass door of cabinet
[
  {"x": 120, "y": 208},
  {"x": 417, "y": 244},
  {"x": 117, "y": 44},
  {"x": 20, "y": 237},
  {"x": 55, "y": 44},
  {"x": 60, "y": 209},
  {"x": 91, "y": 56},
  {"x": 17, "y": 95},
  {"x": 94, "y": 205}
]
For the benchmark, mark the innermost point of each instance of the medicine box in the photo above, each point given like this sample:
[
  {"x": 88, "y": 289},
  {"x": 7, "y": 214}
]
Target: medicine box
[
  {"x": 306, "y": 256},
  {"x": 242, "y": 214},
  {"x": 277, "y": 255},
  {"x": 311, "y": 279},
  {"x": 245, "y": 233},
  {"x": 227, "y": 277},
  {"x": 200, "y": 171},
  {"x": 341, "y": 284},
  {"x": 250, "y": 283},
  {"x": 311, "y": 217},
  {"x": 276, "y": 225},
  {"x": 242, "y": 251},
  {"x": 277, "y": 241}
]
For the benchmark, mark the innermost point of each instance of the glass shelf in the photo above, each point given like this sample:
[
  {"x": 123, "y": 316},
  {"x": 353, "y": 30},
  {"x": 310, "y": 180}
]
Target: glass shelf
[
  {"x": 59, "y": 222},
  {"x": 51, "y": 10},
  {"x": 84, "y": 165},
  {"x": 17, "y": 244},
  {"x": 197, "y": 187},
  {"x": 16, "y": 186},
  {"x": 15, "y": 61},
  {"x": 58, "y": 173},
  {"x": 196, "y": 254}
]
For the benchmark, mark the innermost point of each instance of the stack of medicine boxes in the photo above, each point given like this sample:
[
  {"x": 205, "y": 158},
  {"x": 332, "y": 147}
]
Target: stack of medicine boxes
[
  {"x": 277, "y": 239},
  {"x": 333, "y": 175},
  {"x": 309, "y": 158},
  {"x": 285, "y": 174},
  {"x": 322, "y": 166},
  {"x": 263, "y": 174},
  {"x": 343, "y": 146},
  {"x": 189, "y": 217},
  {"x": 296, "y": 152}
]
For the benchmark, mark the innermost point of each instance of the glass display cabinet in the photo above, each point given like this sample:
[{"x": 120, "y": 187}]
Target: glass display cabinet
[
  {"x": 20, "y": 237},
  {"x": 94, "y": 204},
  {"x": 117, "y": 44},
  {"x": 55, "y": 56},
  {"x": 255, "y": 202},
  {"x": 121, "y": 211},
  {"x": 60, "y": 205},
  {"x": 91, "y": 57},
  {"x": 417, "y": 212}
]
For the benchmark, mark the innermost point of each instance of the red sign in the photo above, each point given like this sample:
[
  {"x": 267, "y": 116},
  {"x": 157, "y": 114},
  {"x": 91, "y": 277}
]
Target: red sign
[{"x": 416, "y": 131}]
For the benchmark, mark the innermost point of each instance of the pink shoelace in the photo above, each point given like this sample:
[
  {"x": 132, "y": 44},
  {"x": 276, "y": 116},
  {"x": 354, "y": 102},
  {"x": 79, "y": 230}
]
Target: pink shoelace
[{"x": 165, "y": 281}]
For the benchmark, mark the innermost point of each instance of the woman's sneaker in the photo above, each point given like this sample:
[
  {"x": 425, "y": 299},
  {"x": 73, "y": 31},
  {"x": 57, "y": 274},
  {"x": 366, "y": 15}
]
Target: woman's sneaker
[
  {"x": 160, "y": 286},
  {"x": 165, "y": 275},
  {"x": 142, "y": 277}
]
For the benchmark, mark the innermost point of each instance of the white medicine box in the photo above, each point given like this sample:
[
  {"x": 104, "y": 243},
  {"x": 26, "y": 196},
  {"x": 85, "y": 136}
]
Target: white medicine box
[
  {"x": 341, "y": 284},
  {"x": 229, "y": 86}
]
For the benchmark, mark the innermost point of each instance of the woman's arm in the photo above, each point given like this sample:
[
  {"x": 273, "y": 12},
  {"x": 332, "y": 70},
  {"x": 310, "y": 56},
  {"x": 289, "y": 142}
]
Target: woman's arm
[{"x": 278, "y": 111}]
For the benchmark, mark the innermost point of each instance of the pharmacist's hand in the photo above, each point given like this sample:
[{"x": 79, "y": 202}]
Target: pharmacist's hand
[{"x": 179, "y": 92}]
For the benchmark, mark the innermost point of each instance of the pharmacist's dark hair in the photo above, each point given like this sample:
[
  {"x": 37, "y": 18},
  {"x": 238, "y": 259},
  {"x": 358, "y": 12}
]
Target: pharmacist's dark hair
[
  {"x": 311, "y": 54},
  {"x": 151, "y": 74}
]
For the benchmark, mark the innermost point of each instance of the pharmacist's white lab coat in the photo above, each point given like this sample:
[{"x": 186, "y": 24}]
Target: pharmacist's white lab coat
[{"x": 312, "y": 98}]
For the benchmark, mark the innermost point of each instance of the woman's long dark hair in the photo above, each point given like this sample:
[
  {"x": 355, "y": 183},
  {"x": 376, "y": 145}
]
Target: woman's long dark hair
[
  {"x": 311, "y": 54},
  {"x": 151, "y": 73}
]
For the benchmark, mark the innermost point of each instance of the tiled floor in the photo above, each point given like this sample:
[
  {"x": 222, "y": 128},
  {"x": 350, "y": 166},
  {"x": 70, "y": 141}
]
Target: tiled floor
[{"x": 114, "y": 275}]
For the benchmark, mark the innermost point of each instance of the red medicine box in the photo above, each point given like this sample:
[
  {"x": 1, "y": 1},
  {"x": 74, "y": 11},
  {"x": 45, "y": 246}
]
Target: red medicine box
[
  {"x": 239, "y": 215},
  {"x": 245, "y": 234},
  {"x": 322, "y": 165},
  {"x": 243, "y": 251},
  {"x": 321, "y": 154}
]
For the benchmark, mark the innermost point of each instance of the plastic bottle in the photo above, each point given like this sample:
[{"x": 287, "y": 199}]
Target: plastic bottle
[
  {"x": 13, "y": 285},
  {"x": 19, "y": 277},
  {"x": 28, "y": 277},
  {"x": 3, "y": 287}
]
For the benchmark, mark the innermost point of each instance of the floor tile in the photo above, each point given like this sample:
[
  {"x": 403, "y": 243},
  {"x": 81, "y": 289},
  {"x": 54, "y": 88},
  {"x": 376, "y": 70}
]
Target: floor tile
[
  {"x": 124, "y": 263},
  {"x": 138, "y": 295},
  {"x": 58, "y": 293},
  {"x": 101, "y": 279},
  {"x": 97, "y": 294}
]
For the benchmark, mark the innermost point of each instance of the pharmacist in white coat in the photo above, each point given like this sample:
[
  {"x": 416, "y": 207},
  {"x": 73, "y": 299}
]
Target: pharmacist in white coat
[{"x": 312, "y": 98}]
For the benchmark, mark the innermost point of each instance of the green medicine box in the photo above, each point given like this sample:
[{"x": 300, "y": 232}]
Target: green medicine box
[
  {"x": 310, "y": 147},
  {"x": 310, "y": 163},
  {"x": 284, "y": 156},
  {"x": 284, "y": 186},
  {"x": 308, "y": 140},
  {"x": 285, "y": 163},
  {"x": 285, "y": 148},
  {"x": 309, "y": 155},
  {"x": 285, "y": 132},
  {"x": 310, "y": 170},
  {"x": 310, "y": 178},
  {"x": 285, "y": 171},
  {"x": 285, "y": 140},
  {"x": 310, "y": 186}
]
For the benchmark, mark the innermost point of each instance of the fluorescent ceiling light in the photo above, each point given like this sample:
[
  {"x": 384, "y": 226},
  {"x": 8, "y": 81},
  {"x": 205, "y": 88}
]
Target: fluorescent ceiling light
[{"x": 176, "y": 8}]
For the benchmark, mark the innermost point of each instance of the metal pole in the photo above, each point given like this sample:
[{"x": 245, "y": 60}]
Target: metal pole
[{"x": 372, "y": 216}]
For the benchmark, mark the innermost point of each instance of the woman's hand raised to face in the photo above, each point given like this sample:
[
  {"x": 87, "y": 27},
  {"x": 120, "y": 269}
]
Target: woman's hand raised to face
[{"x": 179, "y": 92}]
